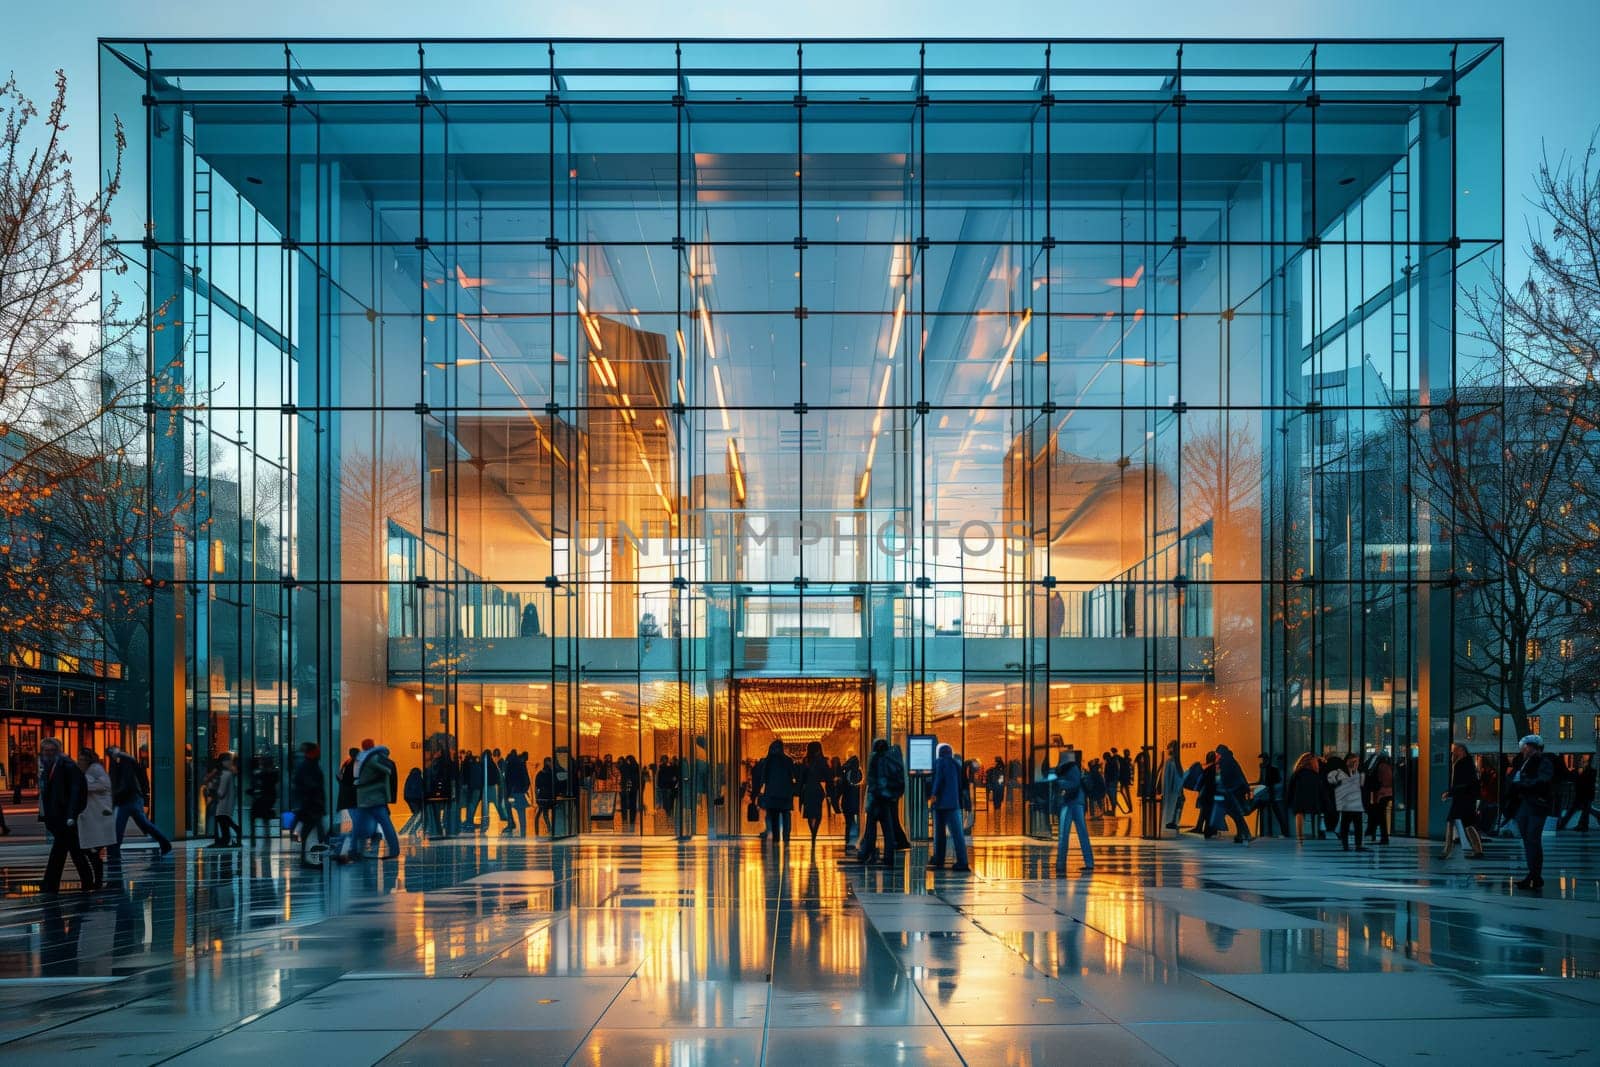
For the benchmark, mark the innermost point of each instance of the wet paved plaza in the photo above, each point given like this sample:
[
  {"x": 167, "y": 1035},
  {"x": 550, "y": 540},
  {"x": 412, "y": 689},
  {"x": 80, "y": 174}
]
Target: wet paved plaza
[{"x": 616, "y": 953}]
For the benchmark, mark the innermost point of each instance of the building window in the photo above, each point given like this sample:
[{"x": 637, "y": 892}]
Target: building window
[
  {"x": 1534, "y": 650},
  {"x": 1497, "y": 726},
  {"x": 1470, "y": 731},
  {"x": 1564, "y": 728},
  {"x": 1533, "y": 724}
]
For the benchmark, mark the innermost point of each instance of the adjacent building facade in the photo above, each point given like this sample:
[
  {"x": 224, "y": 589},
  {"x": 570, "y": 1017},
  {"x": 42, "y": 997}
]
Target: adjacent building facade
[{"x": 668, "y": 398}]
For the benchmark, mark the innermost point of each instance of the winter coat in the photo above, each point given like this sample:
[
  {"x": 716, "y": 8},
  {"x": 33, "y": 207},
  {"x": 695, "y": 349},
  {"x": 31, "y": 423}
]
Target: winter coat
[
  {"x": 374, "y": 778},
  {"x": 224, "y": 793},
  {"x": 850, "y": 787},
  {"x": 347, "y": 785},
  {"x": 945, "y": 791},
  {"x": 886, "y": 777},
  {"x": 62, "y": 794},
  {"x": 1171, "y": 778},
  {"x": 97, "y": 825},
  {"x": 310, "y": 794},
  {"x": 1463, "y": 792},
  {"x": 1346, "y": 790},
  {"x": 774, "y": 782},
  {"x": 1532, "y": 784},
  {"x": 814, "y": 790},
  {"x": 1305, "y": 792},
  {"x": 128, "y": 780}
]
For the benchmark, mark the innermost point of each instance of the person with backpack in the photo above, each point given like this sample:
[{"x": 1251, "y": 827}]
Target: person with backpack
[
  {"x": 376, "y": 788},
  {"x": 1070, "y": 798},
  {"x": 1532, "y": 787},
  {"x": 886, "y": 783},
  {"x": 944, "y": 797}
]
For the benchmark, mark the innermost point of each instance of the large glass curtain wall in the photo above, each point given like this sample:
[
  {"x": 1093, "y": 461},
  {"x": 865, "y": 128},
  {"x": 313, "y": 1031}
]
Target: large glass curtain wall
[{"x": 668, "y": 399}]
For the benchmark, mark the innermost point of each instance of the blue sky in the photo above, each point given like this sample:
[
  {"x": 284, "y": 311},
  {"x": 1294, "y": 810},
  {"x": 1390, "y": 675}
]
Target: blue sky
[{"x": 1552, "y": 95}]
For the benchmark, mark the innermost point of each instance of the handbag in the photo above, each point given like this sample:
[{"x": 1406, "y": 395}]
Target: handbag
[{"x": 752, "y": 812}]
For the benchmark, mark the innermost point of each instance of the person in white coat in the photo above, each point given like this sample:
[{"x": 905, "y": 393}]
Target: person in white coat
[{"x": 97, "y": 826}]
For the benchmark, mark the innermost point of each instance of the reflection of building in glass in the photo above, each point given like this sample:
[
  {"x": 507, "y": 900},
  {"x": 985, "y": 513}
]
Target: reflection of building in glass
[{"x": 625, "y": 398}]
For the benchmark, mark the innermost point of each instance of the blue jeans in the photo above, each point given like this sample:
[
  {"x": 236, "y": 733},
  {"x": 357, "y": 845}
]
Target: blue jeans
[
  {"x": 948, "y": 819},
  {"x": 134, "y": 809},
  {"x": 1072, "y": 815},
  {"x": 519, "y": 813},
  {"x": 364, "y": 821}
]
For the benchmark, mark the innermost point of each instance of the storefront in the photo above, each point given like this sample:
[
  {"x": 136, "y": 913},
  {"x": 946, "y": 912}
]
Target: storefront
[{"x": 35, "y": 705}]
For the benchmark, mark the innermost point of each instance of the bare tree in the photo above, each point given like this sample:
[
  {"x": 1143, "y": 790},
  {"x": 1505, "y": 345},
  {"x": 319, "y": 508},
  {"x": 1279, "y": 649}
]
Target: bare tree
[
  {"x": 1508, "y": 463},
  {"x": 75, "y": 519}
]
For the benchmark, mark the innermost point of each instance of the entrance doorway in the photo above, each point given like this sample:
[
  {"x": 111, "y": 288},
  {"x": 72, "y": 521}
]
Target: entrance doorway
[{"x": 832, "y": 711}]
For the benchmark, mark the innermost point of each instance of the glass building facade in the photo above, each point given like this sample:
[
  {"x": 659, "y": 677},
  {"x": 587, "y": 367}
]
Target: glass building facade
[{"x": 669, "y": 398}]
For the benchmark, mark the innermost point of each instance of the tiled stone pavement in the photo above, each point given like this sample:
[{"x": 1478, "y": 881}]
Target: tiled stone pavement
[{"x": 604, "y": 951}]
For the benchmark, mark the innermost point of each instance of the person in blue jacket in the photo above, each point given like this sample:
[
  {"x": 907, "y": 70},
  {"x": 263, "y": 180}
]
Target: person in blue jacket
[{"x": 944, "y": 797}]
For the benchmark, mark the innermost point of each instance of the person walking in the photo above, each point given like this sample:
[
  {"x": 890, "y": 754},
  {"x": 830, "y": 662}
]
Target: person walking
[
  {"x": 944, "y": 797},
  {"x": 97, "y": 825},
  {"x": 415, "y": 795},
  {"x": 310, "y": 796},
  {"x": 1380, "y": 798},
  {"x": 63, "y": 795},
  {"x": 774, "y": 791},
  {"x": 897, "y": 774},
  {"x": 971, "y": 777},
  {"x": 1206, "y": 797},
  {"x": 1460, "y": 823},
  {"x": 264, "y": 797},
  {"x": 1068, "y": 782},
  {"x": 544, "y": 796},
  {"x": 130, "y": 791},
  {"x": 1532, "y": 786},
  {"x": 345, "y": 798},
  {"x": 1271, "y": 821},
  {"x": 1305, "y": 796},
  {"x": 1582, "y": 796},
  {"x": 376, "y": 788},
  {"x": 1231, "y": 786},
  {"x": 627, "y": 790},
  {"x": 850, "y": 800},
  {"x": 996, "y": 782},
  {"x": 1125, "y": 778},
  {"x": 1170, "y": 788},
  {"x": 515, "y": 783},
  {"x": 223, "y": 801},
  {"x": 1346, "y": 782},
  {"x": 815, "y": 775}
]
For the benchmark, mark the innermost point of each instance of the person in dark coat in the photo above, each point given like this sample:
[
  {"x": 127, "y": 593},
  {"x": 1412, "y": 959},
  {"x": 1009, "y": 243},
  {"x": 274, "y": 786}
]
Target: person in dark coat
[
  {"x": 774, "y": 790},
  {"x": 1231, "y": 783},
  {"x": 439, "y": 784},
  {"x": 1582, "y": 797},
  {"x": 944, "y": 797},
  {"x": 815, "y": 776},
  {"x": 1461, "y": 822},
  {"x": 130, "y": 791},
  {"x": 1305, "y": 796},
  {"x": 516, "y": 783},
  {"x": 886, "y": 784},
  {"x": 345, "y": 799},
  {"x": 1532, "y": 787},
  {"x": 310, "y": 800},
  {"x": 544, "y": 796},
  {"x": 62, "y": 798},
  {"x": 1206, "y": 796},
  {"x": 849, "y": 788},
  {"x": 264, "y": 796}
]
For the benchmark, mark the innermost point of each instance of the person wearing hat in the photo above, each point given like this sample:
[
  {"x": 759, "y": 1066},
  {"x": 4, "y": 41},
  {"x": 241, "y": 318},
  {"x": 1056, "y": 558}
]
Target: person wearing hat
[{"x": 1532, "y": 785}]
